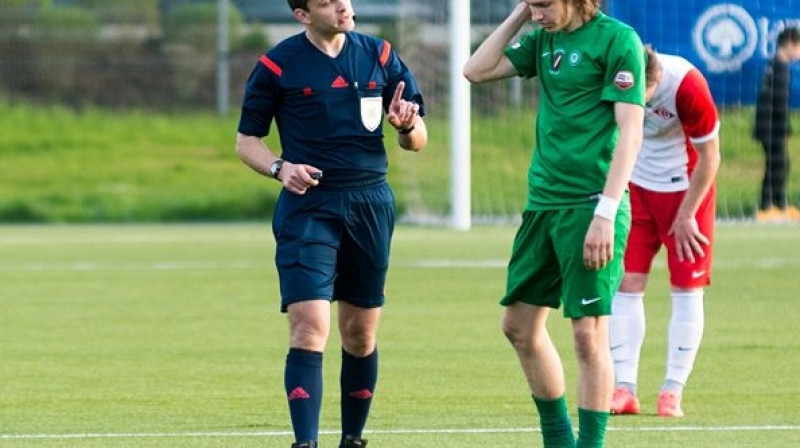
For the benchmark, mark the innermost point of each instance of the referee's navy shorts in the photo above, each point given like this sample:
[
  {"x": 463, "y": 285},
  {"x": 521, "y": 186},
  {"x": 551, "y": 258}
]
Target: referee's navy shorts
[{"x": 333, "y": 243}]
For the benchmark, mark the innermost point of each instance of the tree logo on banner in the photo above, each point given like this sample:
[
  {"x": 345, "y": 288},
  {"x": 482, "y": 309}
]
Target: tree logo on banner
[{"x": 725, "y": 36}]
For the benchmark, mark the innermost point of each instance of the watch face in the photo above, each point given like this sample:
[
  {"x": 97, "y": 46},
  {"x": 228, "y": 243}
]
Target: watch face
[{"x": 275, "y": 168}]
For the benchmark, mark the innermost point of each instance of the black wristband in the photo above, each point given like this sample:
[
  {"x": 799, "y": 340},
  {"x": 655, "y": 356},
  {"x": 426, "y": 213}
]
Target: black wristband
[{"x": 406, "y": 131}]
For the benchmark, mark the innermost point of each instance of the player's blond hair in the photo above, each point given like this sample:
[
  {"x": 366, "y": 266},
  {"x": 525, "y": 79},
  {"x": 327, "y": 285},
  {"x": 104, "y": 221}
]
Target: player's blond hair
[
  {"x": 652, "y": 69},
  {"x": 586, "y": 8}
]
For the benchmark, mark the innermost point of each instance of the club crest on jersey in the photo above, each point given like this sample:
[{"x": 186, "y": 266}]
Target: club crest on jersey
[
  {"x": 371, "y": 112},
  {"x": 557, "y": 57},
  {"x": 624, "y": 80},
  {"x": 574, "y": 58}
]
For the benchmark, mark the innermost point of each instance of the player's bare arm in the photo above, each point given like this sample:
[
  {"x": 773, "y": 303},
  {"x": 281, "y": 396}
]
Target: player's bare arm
[
  {"x": 630, "y": 119},
  {"x": 689, "y": 240},
  {"x": 598, "y": 247},
  {"x": 489, "y": 62},
  {"x": 296, "y": 178},
  {"x": 412, "y": 134}
]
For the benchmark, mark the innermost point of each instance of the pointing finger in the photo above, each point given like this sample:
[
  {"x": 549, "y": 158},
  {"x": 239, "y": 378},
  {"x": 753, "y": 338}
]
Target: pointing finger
[{"x": 398, "y": 93}]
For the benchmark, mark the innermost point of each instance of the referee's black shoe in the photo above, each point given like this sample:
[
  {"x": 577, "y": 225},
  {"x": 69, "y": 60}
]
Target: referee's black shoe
[
  {"x": 354, "y": 442},
  {"x": 310, "y": 444}
]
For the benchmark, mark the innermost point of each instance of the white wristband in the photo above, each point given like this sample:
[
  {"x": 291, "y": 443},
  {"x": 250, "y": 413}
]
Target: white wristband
[{"x": 606, "y": 208}]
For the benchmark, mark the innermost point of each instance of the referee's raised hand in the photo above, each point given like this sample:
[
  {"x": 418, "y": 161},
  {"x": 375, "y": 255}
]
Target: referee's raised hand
[{"x": 402, "y": 114}]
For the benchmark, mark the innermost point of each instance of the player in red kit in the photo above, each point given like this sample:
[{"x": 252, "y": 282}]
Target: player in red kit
[{"x": 673, "y": 205}]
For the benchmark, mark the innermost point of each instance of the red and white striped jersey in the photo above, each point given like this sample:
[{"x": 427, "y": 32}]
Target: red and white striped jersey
[{"x": 680, "y": 113}]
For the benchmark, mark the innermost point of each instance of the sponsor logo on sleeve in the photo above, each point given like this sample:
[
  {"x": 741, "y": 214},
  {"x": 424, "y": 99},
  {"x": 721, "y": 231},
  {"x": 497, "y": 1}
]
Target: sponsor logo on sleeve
[{"x": 624, "y": 80}]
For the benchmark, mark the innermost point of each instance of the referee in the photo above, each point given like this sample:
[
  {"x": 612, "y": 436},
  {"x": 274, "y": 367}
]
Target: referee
[{"x": 328, "y": 89}]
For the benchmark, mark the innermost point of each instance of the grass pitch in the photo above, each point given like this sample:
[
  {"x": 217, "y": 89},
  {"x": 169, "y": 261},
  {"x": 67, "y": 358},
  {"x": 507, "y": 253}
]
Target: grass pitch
[{"x": 170, "y": 336}]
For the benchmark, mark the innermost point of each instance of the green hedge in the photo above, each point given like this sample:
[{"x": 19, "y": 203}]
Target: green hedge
[
  {"x": 195, "y": 24},
  {"x": 61, "y": 165}
]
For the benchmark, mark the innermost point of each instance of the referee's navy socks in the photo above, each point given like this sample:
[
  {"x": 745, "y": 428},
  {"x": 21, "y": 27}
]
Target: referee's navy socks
[
  {"x": 357, "y": 381},
  {"x": 303, "y": 382}
]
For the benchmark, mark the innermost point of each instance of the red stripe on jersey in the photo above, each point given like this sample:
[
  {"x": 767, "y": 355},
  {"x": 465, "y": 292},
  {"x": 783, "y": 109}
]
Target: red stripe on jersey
[
  {"x": 695, "y": 106},
  {"x": 272, "y": 66},
  {"x": 385, "y": 52},
  {"x": 696, "y": 110}
]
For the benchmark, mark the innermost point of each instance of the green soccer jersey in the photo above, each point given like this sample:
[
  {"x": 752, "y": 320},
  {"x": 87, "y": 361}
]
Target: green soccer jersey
[{"x": 581, "y": 74}]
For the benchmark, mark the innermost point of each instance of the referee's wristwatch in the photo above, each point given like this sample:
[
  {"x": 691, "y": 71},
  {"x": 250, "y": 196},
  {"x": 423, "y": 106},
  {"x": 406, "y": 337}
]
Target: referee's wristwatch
[{"x": 275, "y": 168}]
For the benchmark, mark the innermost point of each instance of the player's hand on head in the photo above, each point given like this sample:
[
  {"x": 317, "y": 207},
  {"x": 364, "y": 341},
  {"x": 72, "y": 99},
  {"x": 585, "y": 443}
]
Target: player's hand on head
[
  {"x": 298, "y": 178},
  {"x": 402, "y": 114}
]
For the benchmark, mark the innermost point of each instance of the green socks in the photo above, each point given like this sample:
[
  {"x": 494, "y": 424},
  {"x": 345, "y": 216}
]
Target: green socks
[
  {"x": 557, "y": 426},
  {"x": 555, "y": 423},
  {"x": 591, "y": 428}
]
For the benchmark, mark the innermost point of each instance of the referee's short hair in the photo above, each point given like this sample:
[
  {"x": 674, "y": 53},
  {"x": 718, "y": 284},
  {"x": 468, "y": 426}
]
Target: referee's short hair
[{"x": 298, "y": 4}]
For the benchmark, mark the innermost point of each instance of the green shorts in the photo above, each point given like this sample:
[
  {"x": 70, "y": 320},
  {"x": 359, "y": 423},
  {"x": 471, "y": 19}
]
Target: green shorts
[{"x": 546, "y": 266}]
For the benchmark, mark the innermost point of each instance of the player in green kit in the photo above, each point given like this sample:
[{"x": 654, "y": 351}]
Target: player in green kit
[{"x": 569, "y": 248}]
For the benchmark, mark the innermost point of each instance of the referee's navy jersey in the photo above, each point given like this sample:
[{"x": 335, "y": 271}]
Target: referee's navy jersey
[{"x": 329, "y": 111}]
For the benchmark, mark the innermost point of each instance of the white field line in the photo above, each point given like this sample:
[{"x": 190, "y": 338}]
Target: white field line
[
  {"x": 757, "y": 263},
  {"x": 220, "y": 434},
  {"x": 144, "y": 266}
]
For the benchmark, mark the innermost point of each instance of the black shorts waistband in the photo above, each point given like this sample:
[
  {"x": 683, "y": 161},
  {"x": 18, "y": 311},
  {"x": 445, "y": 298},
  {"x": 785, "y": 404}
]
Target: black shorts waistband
[{"x": 338, "y": 179}]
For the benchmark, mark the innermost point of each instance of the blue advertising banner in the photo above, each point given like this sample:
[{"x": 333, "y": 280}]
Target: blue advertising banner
[{"x": 730, "y": 43}]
